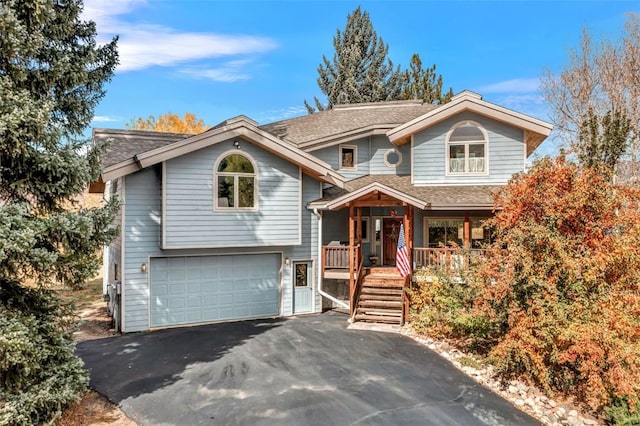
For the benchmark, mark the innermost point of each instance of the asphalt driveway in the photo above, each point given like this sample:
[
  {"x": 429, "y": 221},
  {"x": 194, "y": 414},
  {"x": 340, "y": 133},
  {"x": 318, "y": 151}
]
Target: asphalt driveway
[{"x": 309, "y": 370}]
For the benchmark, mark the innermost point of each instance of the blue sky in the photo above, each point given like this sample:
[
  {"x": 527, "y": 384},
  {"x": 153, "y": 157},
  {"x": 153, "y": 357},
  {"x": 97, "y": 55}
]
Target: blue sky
[{"x": 219, "y": 59}]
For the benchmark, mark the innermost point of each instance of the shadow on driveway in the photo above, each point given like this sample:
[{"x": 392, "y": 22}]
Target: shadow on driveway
[
  {"x": 134, "y": 364},
  {"x": 308, "y": 370}
]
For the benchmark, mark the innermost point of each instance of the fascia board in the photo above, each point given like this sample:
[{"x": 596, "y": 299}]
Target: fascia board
[
  {"x": 381, "y": 188},
  {"x": 250, "y": 132},
  {"x": 474, "y": 105}
]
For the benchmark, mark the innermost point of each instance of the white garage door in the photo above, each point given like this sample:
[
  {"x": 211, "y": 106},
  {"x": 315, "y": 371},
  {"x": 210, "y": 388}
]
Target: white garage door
[{"x": 187, "y": 290}]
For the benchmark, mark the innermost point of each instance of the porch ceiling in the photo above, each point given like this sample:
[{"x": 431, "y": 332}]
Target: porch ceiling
[{"x": 387, "y": 188}]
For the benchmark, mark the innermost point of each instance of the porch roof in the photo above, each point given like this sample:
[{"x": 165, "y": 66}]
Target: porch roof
[{"x": 458, "y": 197}]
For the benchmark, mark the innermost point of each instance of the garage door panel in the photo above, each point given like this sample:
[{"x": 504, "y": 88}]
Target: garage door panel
[
  {"x": 177, "y": 288},
  {"x": 194, "y": 287},
  {"x": 214, "y": 288}
]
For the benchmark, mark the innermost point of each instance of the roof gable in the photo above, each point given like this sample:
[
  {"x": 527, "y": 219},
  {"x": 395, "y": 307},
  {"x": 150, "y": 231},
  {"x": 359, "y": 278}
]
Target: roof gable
[
  {"x": 240, "y": 126},
  {"x": 535, "y": 130}
]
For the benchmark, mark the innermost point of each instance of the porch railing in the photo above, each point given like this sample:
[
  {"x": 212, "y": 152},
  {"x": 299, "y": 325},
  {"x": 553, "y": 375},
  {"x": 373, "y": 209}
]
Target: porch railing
[
  {"x": 335, "y": 257},
  {"x": 445, "y": 257}
]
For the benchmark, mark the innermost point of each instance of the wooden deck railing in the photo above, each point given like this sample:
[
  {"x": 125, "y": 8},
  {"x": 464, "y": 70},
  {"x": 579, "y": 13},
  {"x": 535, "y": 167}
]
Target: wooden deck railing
[
  {"x": 446, "y": 257},
  {"x": 335, "y": 257}
]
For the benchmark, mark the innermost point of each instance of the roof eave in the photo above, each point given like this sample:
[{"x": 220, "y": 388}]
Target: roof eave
[
  {"x": 373, "y": 130},
  {"x": 351, "y": 196},
  {"x": 541, "y": 129},
  {"x": 238, "y": 128}
]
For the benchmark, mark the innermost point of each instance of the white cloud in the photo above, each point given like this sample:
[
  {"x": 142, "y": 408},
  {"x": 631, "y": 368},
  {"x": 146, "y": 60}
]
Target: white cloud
[
  {"x": 516, "y": 85},
  {"x": 281, "y": 114},
  {"x": 105, "y": 119},
  {"x": 145, "y": 45},
  {"x": 228, "y": 73}
]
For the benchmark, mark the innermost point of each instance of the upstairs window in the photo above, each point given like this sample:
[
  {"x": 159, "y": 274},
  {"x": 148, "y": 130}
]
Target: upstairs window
[
  {"x": 467, "y": 149},
  {"x": 348, "y": 157},
  {"x": 236, "y": 185}
]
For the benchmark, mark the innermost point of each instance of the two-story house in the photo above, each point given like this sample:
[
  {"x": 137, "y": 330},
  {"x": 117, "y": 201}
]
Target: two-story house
[{"x": 248, "y": 220}]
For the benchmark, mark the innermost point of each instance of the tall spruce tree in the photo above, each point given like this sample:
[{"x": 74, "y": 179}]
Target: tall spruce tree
[
  {"x": 52, "y": 75},
  {"x": 360, "y": 70},
  {"x": 423, "y": 84}
]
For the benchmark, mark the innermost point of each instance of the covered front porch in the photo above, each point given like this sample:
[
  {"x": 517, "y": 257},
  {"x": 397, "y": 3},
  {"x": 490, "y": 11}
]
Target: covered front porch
[{"x": 360, "y": 235}]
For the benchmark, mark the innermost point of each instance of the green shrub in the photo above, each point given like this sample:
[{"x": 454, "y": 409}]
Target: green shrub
[
  {"x": 39, "y": 372},
  {"x": 619, "y": 414},
  {"x": 441, "y": 305}
]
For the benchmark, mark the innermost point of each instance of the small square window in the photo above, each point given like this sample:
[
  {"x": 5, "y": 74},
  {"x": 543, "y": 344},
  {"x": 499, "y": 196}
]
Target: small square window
[{"x": 348, "y": 157}]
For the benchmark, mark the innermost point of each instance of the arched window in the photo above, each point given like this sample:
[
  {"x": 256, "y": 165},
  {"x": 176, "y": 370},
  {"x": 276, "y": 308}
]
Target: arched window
[
  {"x": 467, "y": 149},
  {"x": 236, "y": 184}
]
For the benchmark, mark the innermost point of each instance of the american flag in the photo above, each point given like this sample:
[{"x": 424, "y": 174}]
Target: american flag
[{"x": 402, "y": 255}]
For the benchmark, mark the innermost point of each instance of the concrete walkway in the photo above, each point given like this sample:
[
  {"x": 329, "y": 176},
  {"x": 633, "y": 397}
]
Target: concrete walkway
[{"x": 309, "y": 370}]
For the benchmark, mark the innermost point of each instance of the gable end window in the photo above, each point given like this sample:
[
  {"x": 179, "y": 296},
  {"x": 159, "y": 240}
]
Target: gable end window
[
  {"x": 236, "y": 183},
  {"x": 467, "y": 149},
  {"x": 348, "y": 157}
]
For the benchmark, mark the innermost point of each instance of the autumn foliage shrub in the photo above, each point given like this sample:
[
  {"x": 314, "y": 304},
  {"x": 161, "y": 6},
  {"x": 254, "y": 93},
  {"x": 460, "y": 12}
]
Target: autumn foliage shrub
[{"x": 559, "y": 292}]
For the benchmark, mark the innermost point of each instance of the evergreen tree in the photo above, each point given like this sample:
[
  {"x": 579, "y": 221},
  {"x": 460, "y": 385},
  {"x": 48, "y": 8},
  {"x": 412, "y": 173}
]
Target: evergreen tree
[
  {"x": 360, "y": 70},
  {"x": 52, "y": 74},
  {"x": 424, "y": 84}
]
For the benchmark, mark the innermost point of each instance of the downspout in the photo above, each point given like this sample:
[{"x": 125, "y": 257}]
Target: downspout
[{"x": 320, "y": 291}]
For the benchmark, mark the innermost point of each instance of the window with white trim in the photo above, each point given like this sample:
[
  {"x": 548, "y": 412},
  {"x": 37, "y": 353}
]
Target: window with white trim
[
  {"x": 236, "y": 183},
  {"x": 348, "y": 157},
  {"x": 467, "y": 149}
]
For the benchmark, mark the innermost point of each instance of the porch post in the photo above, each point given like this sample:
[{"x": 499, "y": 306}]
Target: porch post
[
  {"x": 351, "y": 256},
  {"x": 467, "y": 231},
  {"x": 359, "y": 227},
  {"x": 408, "y": 226}
]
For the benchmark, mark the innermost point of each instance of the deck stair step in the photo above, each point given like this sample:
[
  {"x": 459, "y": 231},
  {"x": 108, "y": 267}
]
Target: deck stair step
[
  {"x": 375, "y": 296},
  {"x": 381, "y": 297},
  {"x": 378, "y": 318},
  {"x": 382, "y": 290},
  {"x": 380, "y": 304}
]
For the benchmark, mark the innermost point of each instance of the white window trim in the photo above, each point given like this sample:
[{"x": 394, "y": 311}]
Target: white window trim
[
  {"x": 355, "y": 157},
  {"x": 466, "y": 144},
  {"x": 235, "y": 185},
  {"x": 386, "y": 159}
]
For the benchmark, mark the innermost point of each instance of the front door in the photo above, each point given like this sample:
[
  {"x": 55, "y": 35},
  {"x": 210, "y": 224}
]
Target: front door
[
  {"x": 302, "y": 287},
  {"x": 390, "y": 233}
]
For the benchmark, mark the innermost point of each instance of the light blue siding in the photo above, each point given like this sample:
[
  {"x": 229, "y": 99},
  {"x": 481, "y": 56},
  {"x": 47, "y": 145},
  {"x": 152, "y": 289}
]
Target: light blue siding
[
  {"x": 379, "y": 146},
  {"x": 331, "y": 155},
  {"x": 192, "y": 222},
  {"x": 505, "y": 150},
  {"x": 142, "y": 233},
  {"x": 115, "y": 248}
]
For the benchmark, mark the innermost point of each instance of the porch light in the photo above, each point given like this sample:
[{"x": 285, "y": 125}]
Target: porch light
[
  {"x": 143, "y": 267},
  {"x": 287, "y": 261}
]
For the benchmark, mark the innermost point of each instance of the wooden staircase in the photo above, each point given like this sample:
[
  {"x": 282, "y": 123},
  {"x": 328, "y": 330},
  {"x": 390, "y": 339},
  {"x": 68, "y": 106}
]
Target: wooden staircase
[{"x": 381, "y": 297}]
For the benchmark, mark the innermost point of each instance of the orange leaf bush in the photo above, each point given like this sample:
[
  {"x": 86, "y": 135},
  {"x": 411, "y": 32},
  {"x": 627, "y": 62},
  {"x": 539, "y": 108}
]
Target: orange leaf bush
[
  {"x": 558, "y": 295},
  {"x": 564, "y": 298}
]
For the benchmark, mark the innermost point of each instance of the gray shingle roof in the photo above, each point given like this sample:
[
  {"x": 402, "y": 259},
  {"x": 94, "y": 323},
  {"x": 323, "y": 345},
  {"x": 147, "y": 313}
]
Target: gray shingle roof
[
  {"x": 438, "y": 197},
  {"x": 126, "y": 144},
  {"x": 346, "y": 118}
]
